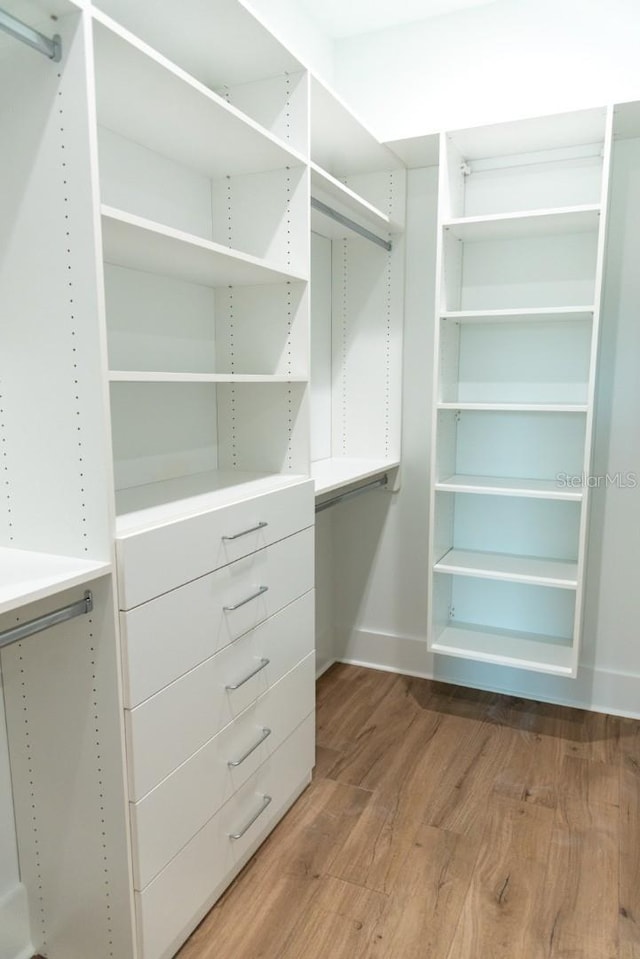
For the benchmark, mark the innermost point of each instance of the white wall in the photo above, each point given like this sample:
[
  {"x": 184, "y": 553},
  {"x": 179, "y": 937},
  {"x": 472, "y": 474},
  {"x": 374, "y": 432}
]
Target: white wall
[
  {"x": 509, "y": 59},
  {"x": 380, "y": 540}
]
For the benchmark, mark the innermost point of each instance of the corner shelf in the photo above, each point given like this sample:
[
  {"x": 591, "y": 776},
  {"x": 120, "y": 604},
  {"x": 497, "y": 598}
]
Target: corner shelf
[
  {"x": 140, "y": 244},
  {"x": 26, "y": 576},
  {"x": 347, "y": 203},
  {"x": 510, "y": 568}
]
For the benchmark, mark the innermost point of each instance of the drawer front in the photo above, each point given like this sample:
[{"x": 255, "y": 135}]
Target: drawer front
[
  {"x": 172, "y": 905},
  {"x": 168, "y": 728},
  {"x": 156, "y": 560},
  {"x": 168, "y": 636},
  {"x": 167, "y": 818}
]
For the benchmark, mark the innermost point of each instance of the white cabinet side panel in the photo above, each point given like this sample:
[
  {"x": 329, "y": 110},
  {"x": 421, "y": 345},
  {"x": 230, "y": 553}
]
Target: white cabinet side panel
[
  {"x": 320, "y": 347},
  {"x": 64, "y": 727}
]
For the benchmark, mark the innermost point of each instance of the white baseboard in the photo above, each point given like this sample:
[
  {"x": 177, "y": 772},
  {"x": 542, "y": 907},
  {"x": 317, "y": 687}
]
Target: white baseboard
[
  {"x": 15, "y": 936},
  {"x": 598, "y": 690}
]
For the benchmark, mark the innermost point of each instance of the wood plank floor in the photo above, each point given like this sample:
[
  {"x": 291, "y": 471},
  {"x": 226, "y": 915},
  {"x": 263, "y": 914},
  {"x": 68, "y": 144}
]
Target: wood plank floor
[{"x": 445, "y": 823}]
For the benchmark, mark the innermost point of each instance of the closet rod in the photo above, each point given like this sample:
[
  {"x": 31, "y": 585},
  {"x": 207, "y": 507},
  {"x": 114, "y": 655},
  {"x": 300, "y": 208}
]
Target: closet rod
[
  {"x": 52, "y": 48},
  {"x": 350, "y": 224},
  {"x": 341, "y": 497},
  {"x": 84, "y": 605}
]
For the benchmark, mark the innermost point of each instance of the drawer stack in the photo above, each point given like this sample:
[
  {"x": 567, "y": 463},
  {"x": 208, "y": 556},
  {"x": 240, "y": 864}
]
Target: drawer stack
[{"x": 217, "y": 623}]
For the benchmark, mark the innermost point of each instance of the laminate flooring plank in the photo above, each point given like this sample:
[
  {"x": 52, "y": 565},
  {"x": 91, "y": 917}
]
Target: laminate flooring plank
[
  {"x": 629, "y": 912},
  {"x": 339, "y": 923},
  {"x": 597, "y": 738},
  {"x": 343, "y": 710},
  {"x": 420, "y": 919},
  {"x": 531, "y": 770},
  {"x": 257, "y": 914},
  {"x": 500, "y": 916},
  {"x": 582, "y": 890},
  {"x": 596, "y": 782}
]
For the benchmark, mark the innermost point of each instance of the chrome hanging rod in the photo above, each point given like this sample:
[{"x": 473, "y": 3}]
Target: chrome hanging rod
[
  {"x": 350, "y": 494},
  {"x": 16, "y": 633},
  {"x": 350, "y": 224},
  {"x": 51, "y": 48}
]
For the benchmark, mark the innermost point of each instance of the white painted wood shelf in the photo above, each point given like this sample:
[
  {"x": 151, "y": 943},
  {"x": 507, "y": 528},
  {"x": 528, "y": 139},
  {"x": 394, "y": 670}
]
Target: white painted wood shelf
[
  {"x": 499, "y": 486},
  {"x": 522, "y": 650},
  {"x": 542, "y": 314},
  {"x": 26, "y": 576},
  {"x": 140, "y": 244},
  {"x": 510, "y": 568},
  {"x": 338, "y": 473},
  {"x": 143, "y": 96},
  {"x": 153, "y": 376},
  {"x": 528, "y": 223},
  {"x": 517, "y": 407}
]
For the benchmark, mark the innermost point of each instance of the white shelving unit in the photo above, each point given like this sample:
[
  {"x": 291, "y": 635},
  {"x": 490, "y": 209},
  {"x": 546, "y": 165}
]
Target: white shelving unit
[
  {"x": 522, "y": 221},
  {"x": 357, "y": 253}
]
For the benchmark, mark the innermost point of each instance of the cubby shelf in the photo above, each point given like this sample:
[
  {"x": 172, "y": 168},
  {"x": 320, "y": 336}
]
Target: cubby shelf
[
  {"x": 517, "y": 407},
  {"x": 498, "y": 486},
  {"x": 530, "y": 651},
  {"x": 528, "y": 223},
  {"x": 339, "y": 472},
  {"x": 144, "y": 376},
  {"x": 140, "y": 244},
  {"x": 510, "y": 568},
  {"x": 27, "y": 576},
  {"x": 543, "y": 314},
  {"x": 143, "y": 96}
]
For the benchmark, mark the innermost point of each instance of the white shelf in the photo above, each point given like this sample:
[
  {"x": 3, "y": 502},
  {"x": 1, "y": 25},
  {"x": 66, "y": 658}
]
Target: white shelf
[
  {"x": 154, "y": 504},
  {"x": 144, "y": 376},
  {"x": 140, "y": 244},
  {"x": 229, "y": 45},
  {"x": 26, "y": 577},
  {"x": 417, "y": 152},
  {"x": 514, "y": 569},
  {"x": 508, "y": 226},
  {"x": 346, "y": 202},
  {"x": 498, "y": 486},
  {"x": 517, "y": 407},
  {"x": 143, "y": 96},
  {"x": 340, "y": 143},
  {"x": 339, "y": 472},
  {"x": 531, "y": 651},
  {"x": 523, "y": 315}
]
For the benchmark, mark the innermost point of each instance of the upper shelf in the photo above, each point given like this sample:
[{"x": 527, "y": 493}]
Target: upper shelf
[
  {"x": 508, "y": 226},
  {"x": 230, "y": 45},
  {"x": 348, "y": 204},
  {"x": 541, "y": 314},
  {"x": 339, "y": 472},
  {"x": 501, "y": 486},
  {"x": 26, "y": 576},
  {"x": 141, "y": 244},
  {"x": 340, "y": 144},
  {"x": 146, "y": 98},
  {"x": 516, "y": 569}
]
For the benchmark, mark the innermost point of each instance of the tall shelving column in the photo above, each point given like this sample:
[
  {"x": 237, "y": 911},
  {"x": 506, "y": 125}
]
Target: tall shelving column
[
  {"x": 521, "y": 237},
  {"x": 61, "y": 685}
]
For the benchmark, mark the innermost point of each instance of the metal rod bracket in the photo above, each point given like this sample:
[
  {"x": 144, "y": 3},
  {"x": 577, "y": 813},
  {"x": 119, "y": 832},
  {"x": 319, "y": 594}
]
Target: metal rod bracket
[
  {"x": 50, "y": 47},
  {"x": 350, "y": 224},
  {"x": 350, "y": 494}
]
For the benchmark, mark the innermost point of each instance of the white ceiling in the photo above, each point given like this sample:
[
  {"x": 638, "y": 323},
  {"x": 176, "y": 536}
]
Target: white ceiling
[{"x": 344, "y": 18}]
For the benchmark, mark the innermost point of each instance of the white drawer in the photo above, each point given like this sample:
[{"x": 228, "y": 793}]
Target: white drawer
[
  {"x": 156, "y": 560},
  {"x": 171, "y": 634},
  {"x": 166, "y": 819},
  {"x": 168, "y": 728},
  {"x": 177, "y": 899}
]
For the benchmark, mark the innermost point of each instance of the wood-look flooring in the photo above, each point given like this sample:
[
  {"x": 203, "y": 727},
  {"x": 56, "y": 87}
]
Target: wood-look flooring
[{"x": 445, "y": 823}]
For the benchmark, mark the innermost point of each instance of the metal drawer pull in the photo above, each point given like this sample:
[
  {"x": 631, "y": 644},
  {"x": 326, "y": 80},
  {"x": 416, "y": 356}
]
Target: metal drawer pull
[
  {"x": 243, "y": 602},
  {"x": 238, "y": 835},
  {"x": 263, "y": 664},
  {"x": 245, "y": 532},
  {"x": 238, "y": 762}
]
